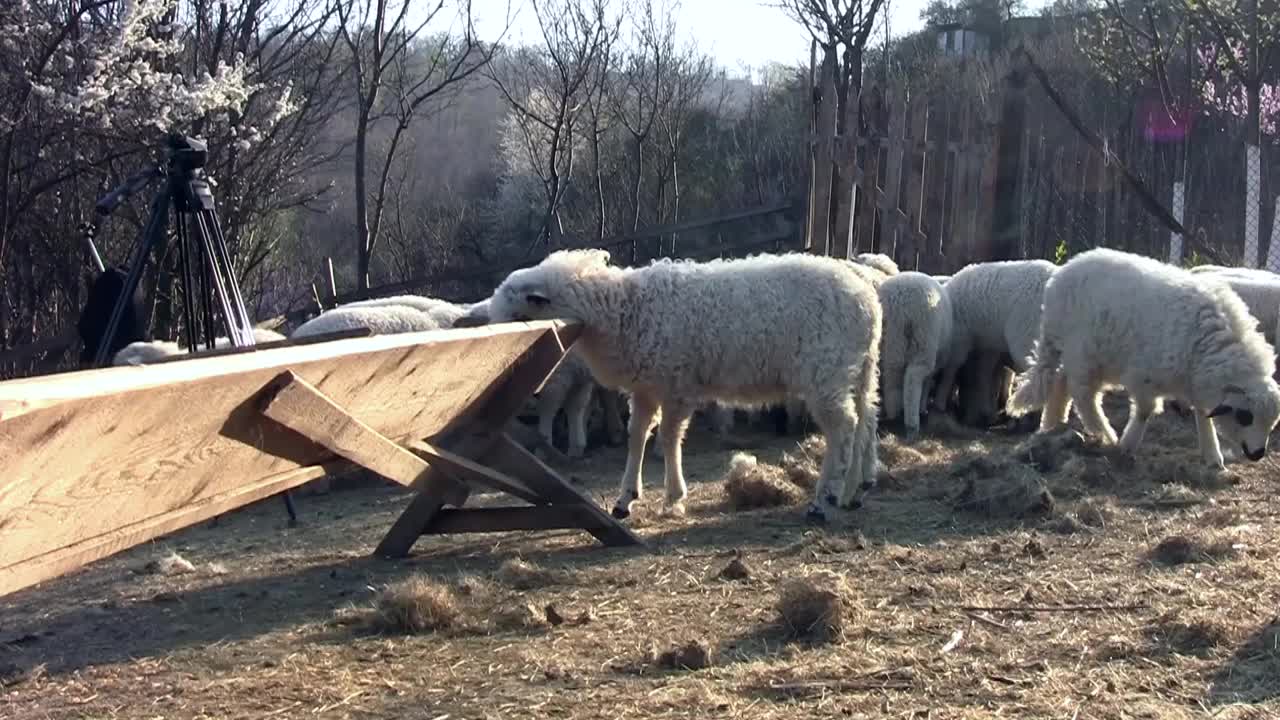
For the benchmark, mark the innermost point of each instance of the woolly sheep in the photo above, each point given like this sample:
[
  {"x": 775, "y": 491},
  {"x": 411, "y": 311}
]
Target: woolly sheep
[
  {"x": 96, "y": 315},
  {"x": 443, "y": 312},
  {"x": 1116, "y": 319},
  {"x": 145, "y": 353},
  {"x": 915, "y": 341},
  {"x": 879, "y": 261},
  {"x": 380, "y": 320},
  {"x": 1260, "y": 291},
  {"x": 995, "y": 309},
  {"x": 677, "y": 334}
]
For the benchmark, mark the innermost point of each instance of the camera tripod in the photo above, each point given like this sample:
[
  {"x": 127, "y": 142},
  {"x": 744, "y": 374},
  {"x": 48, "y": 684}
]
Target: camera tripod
[{"x": 208, "y": 279}]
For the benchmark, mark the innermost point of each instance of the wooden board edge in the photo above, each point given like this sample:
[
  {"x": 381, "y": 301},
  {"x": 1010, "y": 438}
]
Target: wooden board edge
[{"x": 32, "y": 571}]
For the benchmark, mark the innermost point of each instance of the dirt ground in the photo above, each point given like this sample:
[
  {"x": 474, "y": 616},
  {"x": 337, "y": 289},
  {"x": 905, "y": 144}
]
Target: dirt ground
[{"x": 1142, "y": 589}]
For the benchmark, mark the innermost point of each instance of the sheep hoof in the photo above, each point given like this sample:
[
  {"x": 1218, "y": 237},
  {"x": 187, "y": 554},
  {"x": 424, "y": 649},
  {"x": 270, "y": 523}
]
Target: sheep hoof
[{"x": 675, "y": 509}]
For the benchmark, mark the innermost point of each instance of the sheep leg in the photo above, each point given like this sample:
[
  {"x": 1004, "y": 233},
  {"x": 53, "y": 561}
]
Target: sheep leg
[
  {"x": 1056, "y": 406},
  {"x": 615, "y": 433},
  {"x": 893, "y": 381},
  {"x": 1088, "y": 402},
  {"x": 550, "y": 400},
  {"x": 1140, "y": 411},
  {"x": 838, "y": 419},
  {"x": 942, "y": 392},
  {"x": 1207, "y": 434},
  {"x": 721, "y": 419},
  {"x": 644, "y": 410},
  {"x": 795, "y": 416},
  {"x": 672, "y": 427},
  {"x": 576, "y": 411},
  {"x": 913, "y": 381}
]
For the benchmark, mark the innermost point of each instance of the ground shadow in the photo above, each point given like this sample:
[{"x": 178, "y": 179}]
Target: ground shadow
[{"x": 1252, "y": 674}]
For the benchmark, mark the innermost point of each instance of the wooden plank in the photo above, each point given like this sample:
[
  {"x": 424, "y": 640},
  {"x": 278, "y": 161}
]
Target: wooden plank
[
  {"x": 473, "y": 472},
  {"x": 506, "y": 519},
  {"x": 115, "y": 447},
  {"x": 297, "y": 405},
  {"x": 288, "y": 342},
  {"x": 475, "y": 431},
  {"x": 889, "y": 206},
  {"x": 508, "y": 455},
  {"x": 49, "y": 565},
  {"x": 819, "y": 227}
]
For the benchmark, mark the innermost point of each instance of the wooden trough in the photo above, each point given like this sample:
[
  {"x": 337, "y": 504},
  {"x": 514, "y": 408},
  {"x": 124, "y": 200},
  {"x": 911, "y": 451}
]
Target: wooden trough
[{"x": 96, "y": 462}]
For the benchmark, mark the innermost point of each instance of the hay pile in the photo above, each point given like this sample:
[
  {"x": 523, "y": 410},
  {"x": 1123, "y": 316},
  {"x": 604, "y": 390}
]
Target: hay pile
[
  {"x": 814, "y": 606},
  {"x": 751, "y": 484},
  {"x": 996, "y": 487},
  {"x": 520, "y": 574},
  {"x": 415, "y": 605},
  {"x": 696, "y": 654}
]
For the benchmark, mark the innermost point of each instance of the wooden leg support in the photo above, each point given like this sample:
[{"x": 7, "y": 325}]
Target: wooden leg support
[{"x": 441, "y": 477}]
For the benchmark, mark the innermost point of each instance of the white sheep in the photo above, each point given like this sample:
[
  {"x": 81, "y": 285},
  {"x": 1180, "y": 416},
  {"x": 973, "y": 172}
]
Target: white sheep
[
  {"x": 995, "y": 310},
  {"x": 916, "y": 340},
  {"x": 1114, "y": 319},
  {"x": 147, "y": 352},
  {"x": 570, "y": 386},
  {"x": 677, "y": 334},
  {"x": 1260, "y": 291},
  {"x": 379, "y": 319},
  {"x": 879, "y": 261},
  {"x": 443, "y": 312}
]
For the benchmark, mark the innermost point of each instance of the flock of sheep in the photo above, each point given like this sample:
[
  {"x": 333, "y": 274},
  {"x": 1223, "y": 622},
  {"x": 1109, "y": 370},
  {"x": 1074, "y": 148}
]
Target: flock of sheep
[{"x": 844, "y": 341}]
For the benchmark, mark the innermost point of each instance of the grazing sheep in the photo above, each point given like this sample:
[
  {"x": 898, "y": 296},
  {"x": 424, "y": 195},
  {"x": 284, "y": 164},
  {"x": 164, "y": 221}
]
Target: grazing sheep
[
  {"x": 1117, "y": 319},
  {"x": 443, "y": 312},
  {"x": 380, "y": 320},
  {"x": 145, "y": 353},
  {"x": 914, "y": 343},
  {"x": 677, "y": 334},
  {"x": 996, "y": 310}
]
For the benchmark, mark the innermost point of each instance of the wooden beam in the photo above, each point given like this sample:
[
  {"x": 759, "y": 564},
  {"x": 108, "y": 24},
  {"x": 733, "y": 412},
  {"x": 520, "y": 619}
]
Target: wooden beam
[
  {"x": 65, "y": 559},
  {"x": 106, "y": 458},
  {"x": 299, "y": 406},
  {"x": 506, "y": 519}
]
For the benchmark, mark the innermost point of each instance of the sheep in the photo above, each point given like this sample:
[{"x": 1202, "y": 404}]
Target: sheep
[
  {"x": 443, "y": 312},
  {"x": 677, "y": 334},
  {"x": 879, "y": 261},
  {"x": 995, "y": 309},
  {"x": 1116, "y": 319},
  {"x": 380, "y": 320},
  {"x": 96, "y": 315},
  {"x": 1239, "y": 271},
  {"x": 1260, "y": 291},
  {"x": 145, "y": 353},
  {"x": 942, "y": 279},
  {"x": 914, "y": 343}
]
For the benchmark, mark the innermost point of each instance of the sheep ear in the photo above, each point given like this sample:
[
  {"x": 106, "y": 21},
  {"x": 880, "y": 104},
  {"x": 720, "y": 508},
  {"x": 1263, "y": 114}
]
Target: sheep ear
[{"x": 1220, "y": 410}]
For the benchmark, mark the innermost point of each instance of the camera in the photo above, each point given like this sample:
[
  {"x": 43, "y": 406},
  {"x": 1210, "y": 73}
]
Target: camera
[{"x": 187, "y": 153}]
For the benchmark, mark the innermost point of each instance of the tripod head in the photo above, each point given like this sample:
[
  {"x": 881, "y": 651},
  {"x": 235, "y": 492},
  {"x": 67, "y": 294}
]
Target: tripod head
[{"x": 187, "y": 154}]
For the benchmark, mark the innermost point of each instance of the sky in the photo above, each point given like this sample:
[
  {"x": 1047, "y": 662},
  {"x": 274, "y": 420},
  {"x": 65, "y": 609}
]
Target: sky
[{"x": 736, "y": 33}]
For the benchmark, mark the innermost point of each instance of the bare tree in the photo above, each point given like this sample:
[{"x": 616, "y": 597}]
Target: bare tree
[
  {"x": 551, "y": 87},
  {"x": 392, "y": 82},
  {"x": 841, "y": 29},
  {"x": 687, "y": 82},
  {"x": 641, "y": 95}
]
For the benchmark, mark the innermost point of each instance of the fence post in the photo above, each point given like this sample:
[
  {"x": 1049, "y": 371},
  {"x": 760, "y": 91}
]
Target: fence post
[
  {"x": 818, "y": 241},
  {"x": 1273, "y": 247},
  {"x": 1253, "y": 189},
  {"x": 1175, "y": 238},
  {"x": 1006, "y": 225}
]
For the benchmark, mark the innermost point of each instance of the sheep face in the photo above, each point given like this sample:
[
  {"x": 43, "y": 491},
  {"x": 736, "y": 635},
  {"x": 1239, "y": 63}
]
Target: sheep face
[
  {"x": 544, "y": 291},
  {"x": 1245, "y": 419},
  {"x": 476, "y": 315}
]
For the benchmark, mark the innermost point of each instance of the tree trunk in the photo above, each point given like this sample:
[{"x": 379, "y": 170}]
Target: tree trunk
[
  {"x": 363, "y": 248},
  {"x": 599, "y": 176}
]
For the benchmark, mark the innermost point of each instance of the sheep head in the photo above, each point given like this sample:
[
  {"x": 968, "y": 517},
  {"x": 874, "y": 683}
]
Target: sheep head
[
  {"x": 547, "y": 290},
  {"x": 1246, "y": 416},
  {"x": 476, "y": 315}
]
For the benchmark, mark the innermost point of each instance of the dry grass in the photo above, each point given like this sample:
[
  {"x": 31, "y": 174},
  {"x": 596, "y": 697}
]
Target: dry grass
[
  {"x": 1001, "y": 608},
  {"x": 414, "y": 605},
  {"x": 750, "y": 484}
]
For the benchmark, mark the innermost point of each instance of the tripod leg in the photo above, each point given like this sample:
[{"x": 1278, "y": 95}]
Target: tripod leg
[
  {"x": 152, "y": 235},
  {"x": 288, "y": 506}
]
